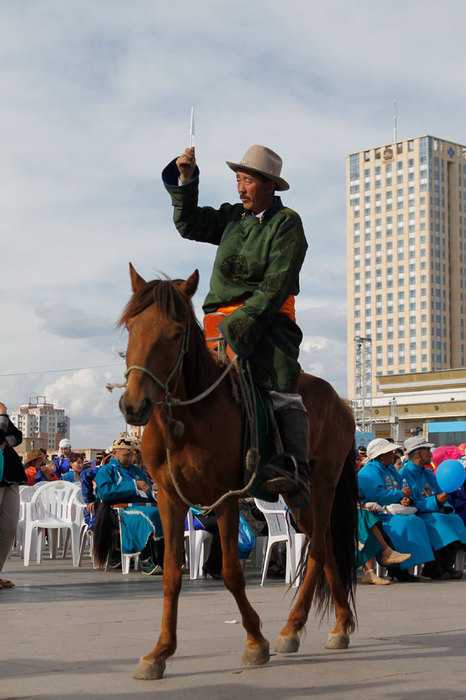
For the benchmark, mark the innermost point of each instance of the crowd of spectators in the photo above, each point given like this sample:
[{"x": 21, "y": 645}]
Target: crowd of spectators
[
  {"x": 115, "y": 481},
  {"x": 401, "y": 500},
  {"x": 405, "y": 520}
]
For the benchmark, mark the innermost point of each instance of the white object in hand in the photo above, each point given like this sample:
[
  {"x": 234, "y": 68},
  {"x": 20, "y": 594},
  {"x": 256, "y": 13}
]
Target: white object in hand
[{"x": 192, "y": 130}]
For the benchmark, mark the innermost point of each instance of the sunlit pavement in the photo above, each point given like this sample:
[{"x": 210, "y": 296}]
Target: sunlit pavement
[{"x": 77, "y": 633}]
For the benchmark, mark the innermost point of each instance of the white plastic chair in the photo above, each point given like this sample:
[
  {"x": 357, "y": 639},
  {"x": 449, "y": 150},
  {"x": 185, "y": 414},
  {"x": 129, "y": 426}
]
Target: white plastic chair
[
  {"x": 199, "y": 543},
  {"x": 25, "y": 495},
  {"x": 281, "y": 530},
  {"x": 86, "y": 536},
  {"x": 50, "y": 508},
  {"x": 77, "y": 507},
  {"x": 126, "y": 558}
]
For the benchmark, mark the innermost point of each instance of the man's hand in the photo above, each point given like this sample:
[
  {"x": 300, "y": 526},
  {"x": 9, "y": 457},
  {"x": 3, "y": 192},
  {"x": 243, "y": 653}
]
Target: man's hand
[
  {"x": 442, "y": 497},
  {"x": 405, "y": 501},
  {"x": 90, "y": 507},
  {"x": 3, "y": 408},
  {"x": 142, "y": 485},
  {"x": 186, "y": 164},
  {"x": 406, "y": 491}
]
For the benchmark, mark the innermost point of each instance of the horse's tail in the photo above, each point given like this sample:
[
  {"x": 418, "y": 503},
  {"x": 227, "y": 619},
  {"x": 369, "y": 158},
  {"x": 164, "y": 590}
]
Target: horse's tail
[
  {"x": 344, "y": 528},
  {"x": 103, "y": 533}
]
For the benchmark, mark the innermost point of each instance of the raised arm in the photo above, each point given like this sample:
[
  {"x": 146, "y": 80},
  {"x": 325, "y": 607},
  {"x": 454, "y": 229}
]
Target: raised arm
[{"x": 203, "y": 224}]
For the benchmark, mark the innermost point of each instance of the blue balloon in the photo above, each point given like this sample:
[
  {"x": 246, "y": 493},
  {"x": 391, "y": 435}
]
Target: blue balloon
[{"x": 450, "y": 475}]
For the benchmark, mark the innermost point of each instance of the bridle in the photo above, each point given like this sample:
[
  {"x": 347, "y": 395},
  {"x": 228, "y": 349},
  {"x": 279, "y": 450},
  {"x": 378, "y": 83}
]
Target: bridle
[{"x": 168, "y": 399}]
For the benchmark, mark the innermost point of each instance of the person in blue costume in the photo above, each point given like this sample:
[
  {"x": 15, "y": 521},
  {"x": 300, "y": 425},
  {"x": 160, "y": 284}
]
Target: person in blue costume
[
  {"x": 372, "y": 545},
  {"x": 62, "y": 460},
  {"x": 120, "y": 482},
  {"x": 446, "y": 530},
  {"x": 73, "y": 475},
  {"x": 87, "y": 477},
  {"x": 379, "y": 482}
]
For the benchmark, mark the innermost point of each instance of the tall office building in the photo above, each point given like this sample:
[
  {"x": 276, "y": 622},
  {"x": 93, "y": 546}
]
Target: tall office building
[{"x": 406, "y": 236}]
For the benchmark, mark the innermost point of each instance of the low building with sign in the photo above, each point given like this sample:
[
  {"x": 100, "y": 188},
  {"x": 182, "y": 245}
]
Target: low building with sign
[{"x": 431, "y": 403}]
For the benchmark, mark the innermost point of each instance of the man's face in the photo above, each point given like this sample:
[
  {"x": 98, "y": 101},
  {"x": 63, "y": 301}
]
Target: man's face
[
  {"x": 123, "y": 456},
  {"x": 388, "y": 458},
  {"x": 426, "y": 456},
  {"x": 66, "y": 451},
  {"x": 255, "y": 194}
]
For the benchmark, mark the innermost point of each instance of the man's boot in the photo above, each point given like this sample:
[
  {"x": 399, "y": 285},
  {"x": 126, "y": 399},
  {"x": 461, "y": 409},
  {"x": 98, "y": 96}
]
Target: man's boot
[{"x": 289, "y": 473}]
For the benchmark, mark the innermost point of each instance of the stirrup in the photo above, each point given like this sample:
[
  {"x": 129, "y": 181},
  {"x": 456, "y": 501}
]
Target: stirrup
[{"x": 279, "y": 479}]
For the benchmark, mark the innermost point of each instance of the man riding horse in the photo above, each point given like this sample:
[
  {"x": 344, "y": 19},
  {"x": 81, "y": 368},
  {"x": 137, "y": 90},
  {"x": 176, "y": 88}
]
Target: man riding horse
[{"x": 255, "y": 278}]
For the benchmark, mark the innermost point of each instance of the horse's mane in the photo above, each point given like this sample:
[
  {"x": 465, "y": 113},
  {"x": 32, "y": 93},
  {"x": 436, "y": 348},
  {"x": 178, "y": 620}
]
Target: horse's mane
[
  {"x": 166, "y": 296},
  {"x": 174, "y": 305}
]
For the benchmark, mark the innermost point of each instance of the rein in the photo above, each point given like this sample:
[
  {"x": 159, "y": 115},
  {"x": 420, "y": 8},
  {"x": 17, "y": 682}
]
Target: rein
[{"x": 169, "y": 401}]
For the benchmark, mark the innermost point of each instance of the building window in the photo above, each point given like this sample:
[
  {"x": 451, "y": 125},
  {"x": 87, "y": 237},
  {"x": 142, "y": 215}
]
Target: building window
[{"x": 354, "y": 166}]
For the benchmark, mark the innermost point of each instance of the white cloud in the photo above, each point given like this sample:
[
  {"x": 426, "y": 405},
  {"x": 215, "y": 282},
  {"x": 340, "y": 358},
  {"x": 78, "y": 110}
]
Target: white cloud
[{"x": 95, "y": 417}]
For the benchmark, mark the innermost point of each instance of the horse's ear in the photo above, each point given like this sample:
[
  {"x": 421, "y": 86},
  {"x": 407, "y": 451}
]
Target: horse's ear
[
  {"x": 190, "y": 285},
  {"x": 137, "y": 282}
]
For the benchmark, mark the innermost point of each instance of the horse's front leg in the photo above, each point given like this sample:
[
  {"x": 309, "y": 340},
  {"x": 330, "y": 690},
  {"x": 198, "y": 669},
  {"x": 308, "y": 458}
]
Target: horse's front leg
[
  {"x": 257, "y": 648},
  {"x": 172, "y": 513}
]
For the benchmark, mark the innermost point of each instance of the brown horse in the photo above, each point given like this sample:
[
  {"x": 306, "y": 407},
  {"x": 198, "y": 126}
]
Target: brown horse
[{"x": 167, "y": 357}]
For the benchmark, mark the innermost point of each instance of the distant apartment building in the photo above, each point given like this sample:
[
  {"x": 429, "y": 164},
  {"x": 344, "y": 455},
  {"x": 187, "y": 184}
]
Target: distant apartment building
[
  {"x": 41, "y": 422},
  {"x": 406, "y": 238}
]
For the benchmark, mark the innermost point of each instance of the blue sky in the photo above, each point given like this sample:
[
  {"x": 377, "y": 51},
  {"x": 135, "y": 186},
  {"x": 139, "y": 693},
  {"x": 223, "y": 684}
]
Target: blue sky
[{"x": 96, "y": 100}]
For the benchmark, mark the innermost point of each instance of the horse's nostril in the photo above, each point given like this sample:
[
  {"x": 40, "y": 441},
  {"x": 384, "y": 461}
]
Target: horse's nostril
[{"x": 124, "y": 408}]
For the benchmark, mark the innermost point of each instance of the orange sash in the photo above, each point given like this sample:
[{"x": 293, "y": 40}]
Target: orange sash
[
  {"x": 287, "y": 308},
  {"x": 213, "y": 320}
]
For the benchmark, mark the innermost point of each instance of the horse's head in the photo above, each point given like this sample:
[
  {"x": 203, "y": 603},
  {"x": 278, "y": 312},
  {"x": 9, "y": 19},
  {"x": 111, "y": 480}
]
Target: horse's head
[{"x": 158, "y": 318}]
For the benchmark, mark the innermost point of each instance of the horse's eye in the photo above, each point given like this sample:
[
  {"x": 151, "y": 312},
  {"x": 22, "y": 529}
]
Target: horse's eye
[{"x": 175, "y": 333}]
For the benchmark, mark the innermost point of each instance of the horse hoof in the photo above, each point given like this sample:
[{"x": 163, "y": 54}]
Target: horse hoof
[
  {"x": 149, "y": 670},
  {"x": 257, "y": 654},
  {"x": 287, "y": 645},
  {"x": 337, "y": 641}
]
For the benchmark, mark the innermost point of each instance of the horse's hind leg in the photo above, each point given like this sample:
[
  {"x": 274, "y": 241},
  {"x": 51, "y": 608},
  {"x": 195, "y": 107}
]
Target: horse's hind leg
[
  {"x": 256, "y": 651},
  {"x": 288, "y": 639},
  {"x": 152, "y": 665},
  {"x": 338, "y": 638}
]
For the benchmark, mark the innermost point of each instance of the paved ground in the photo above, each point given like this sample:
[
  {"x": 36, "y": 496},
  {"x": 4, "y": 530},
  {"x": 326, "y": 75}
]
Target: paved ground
[{"x": 68, "y": 634}]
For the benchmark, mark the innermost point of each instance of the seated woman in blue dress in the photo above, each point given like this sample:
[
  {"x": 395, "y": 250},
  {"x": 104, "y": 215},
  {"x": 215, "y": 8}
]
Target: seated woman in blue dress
[
  {"x": 446, "y": 530},
  {"x": 121, "y": 483},
  {"x": 372, "y": 545},
  {"x": 379, "y": 482}
]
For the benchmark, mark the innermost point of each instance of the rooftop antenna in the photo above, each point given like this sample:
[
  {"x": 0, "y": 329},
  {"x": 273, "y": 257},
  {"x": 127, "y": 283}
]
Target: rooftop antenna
[{"x": 395, "y": 121}]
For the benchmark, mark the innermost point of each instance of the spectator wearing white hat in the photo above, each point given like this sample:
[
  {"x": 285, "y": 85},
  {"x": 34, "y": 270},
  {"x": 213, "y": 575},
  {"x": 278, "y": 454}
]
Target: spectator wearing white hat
[
  {"x": 62, "y": 460},
  {"x": 446, "y": 530},
  {"x": 379, "y": 482}
]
